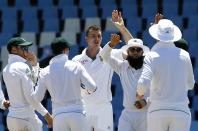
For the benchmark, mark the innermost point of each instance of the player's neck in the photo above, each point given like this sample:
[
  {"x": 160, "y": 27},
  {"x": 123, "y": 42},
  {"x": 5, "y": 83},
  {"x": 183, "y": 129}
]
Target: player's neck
[{"x": 92, "y": 52}]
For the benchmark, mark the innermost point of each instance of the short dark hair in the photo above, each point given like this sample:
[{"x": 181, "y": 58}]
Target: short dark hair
[
  {"x": 93, "y": 27},
  {"x": 182, "y": 43},
  {"x": 9, "y": 48},
  {"x": 59, "y": 44}
]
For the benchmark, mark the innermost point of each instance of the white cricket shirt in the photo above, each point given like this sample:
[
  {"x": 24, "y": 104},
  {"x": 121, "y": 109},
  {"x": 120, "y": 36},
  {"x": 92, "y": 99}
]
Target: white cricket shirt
[
  {"x": 128, "y": 76},
  {"x": 168, "y": 70},
  {"x": 19, "y": 86},
  {"x": 63, "y": 79},
  {"x": 2, "y": 98},
  {"x": 101, "y": 73}
]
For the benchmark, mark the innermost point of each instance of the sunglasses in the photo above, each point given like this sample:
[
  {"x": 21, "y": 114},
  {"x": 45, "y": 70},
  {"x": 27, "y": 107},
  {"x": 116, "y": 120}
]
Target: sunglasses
[
  {"x": 24, "y": 48},
  {"x": 133, "y": 49}
]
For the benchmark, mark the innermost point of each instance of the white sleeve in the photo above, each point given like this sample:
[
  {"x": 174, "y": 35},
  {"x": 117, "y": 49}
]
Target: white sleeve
[
  {"x": 75, "y": 58},
  {"x": 2, "y": 98},
  {"x": 144, "y": 81},
  {"x": 111, "y": 60},
  {"x": 117, "y": 53},
  {"x": 40, "y": 89},
  {"x": 28, "y": 89},
  {"x": 86, "y": 81},
  {"x": 191, "y": 80}
]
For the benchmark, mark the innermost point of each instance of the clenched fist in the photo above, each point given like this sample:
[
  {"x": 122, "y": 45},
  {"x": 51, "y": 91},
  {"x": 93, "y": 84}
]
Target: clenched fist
[
  {"x": 115, "y": 40},
  {"x": 139, "y": 104},
  {"x": 6, "y": 104}
]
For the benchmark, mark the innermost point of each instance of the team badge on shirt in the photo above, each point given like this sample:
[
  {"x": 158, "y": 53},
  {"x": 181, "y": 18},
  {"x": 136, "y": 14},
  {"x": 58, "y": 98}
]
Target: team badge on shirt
[
  {"x": 30, "y": 75},
  {"x": 83, "y": 62}
]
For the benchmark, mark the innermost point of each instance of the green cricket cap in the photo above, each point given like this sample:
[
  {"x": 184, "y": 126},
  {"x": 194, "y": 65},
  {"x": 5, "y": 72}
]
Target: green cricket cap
[{"x": 18, "y": 41}]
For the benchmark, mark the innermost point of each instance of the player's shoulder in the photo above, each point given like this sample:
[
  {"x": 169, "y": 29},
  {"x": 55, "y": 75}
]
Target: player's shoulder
[
  {"x": 72, "y": 63},
  {"x": 152, "y": 54},
  {"x": 21, "y": 66},
  {"x": 184, "y": 53},
  {"x": 44, "y": 71},
  {"x": 18, "y": 65},
  {"x": 77, "y": 57}
]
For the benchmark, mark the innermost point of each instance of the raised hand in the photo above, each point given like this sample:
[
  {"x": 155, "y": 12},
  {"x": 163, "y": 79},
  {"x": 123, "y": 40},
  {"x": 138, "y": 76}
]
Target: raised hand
[
  {"x": 115, "y": 40},
  {"x": 117, "y": 18},
  {"x": 31, "y": 58},
  {"x": 158, "y": 17}
]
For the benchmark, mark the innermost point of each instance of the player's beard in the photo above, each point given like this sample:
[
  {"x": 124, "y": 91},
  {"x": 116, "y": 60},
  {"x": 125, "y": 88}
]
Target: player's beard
[{"x": 136, "y": 63}]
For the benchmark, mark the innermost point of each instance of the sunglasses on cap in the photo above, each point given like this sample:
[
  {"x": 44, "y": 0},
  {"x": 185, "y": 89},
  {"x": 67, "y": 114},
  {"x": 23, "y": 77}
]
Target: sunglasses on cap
[
  {"x": 133, "y": 49},
  {"x": 24, "y": 48}
]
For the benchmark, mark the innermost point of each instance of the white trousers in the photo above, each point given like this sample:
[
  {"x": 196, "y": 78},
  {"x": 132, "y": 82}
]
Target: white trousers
[
  {"x": 24, "y": 124},
  {"x": 100, "y": 116},
  {"x": 132, "y": 121},
  {"x": 169, "y": 120},
  {"x": 70, "y": 122}
]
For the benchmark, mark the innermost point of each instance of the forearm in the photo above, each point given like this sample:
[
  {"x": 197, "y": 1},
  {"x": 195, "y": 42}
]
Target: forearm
[
  {"x": 2, "y": 105},
  {"x": 144, "y": 83},
  {"x": 114, "y": 63},
  {"x": 191, "y": 79},
  {"x": 87, "y": 82},
  {"x": 2, "y": 99},
  {"x": 106, "y": 51},
  {"x": 141, "y": 88},
  {"x": 125, "y": 33},
  {"x": 39, "y": 107},
  {"x": 29, "y": 94}
]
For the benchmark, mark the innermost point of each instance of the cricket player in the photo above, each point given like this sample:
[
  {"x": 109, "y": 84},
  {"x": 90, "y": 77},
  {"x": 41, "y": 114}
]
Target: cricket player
[
  {"x": 168, "y": 72},
  {"x": 18, "y": 80},
  {"x": 133, "y": 118},
  {"x": 64, "y": 79},
  {"x": 98, "y": 105}
]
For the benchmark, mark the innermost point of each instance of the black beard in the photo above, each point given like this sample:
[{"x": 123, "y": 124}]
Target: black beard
[{"x": 136, "y": 63}]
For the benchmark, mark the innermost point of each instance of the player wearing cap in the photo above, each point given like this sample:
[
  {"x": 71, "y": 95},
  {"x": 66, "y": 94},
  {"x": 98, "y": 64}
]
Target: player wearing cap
[
  {"x": 64, "y": 79},
  {"x": 168, "y": 72},
  {"x": 18, "y": 80}
]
